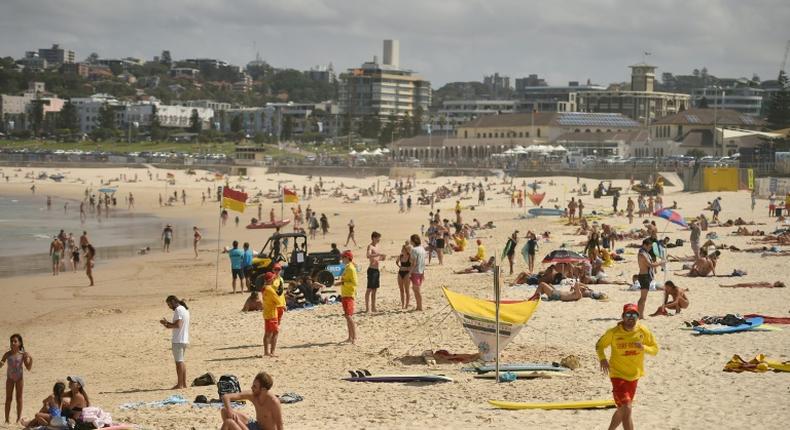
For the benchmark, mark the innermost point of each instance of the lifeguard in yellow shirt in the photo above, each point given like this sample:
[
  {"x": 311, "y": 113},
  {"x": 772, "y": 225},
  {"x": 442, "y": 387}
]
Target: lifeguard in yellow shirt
[
  {"x": 629, "y": 341},
  {"x": 348, "y": 292},
  {"x": 481, "y": 252},
  {"x": 271, "y": 322}
]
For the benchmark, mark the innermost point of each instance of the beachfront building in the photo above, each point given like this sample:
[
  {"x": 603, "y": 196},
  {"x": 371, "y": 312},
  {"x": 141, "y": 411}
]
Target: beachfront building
[
  {"x": 641, "y": 102},
  {"x": 543, "y": 98},
  {"x": 494, "y": 134},
  {"x": 207, "y": 104},
  {"x": 456, "y": 112},
  {"x": 709, "y": 131},
  {"x": 273, "y": 118},
  {"x": 89, "y": 110},
  {"x": 17, "y": 111},
  {"x": 383, "y": 89},
  {"x": 732, "y": 94}
]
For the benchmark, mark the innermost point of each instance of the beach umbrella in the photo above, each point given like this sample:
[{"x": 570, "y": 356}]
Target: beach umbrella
[
  {"x": 563, "y": 256},
  {"x": 671, "y": 216},
  {"x": 108, "y": 190},
  {"x": 536, "y": 198}
]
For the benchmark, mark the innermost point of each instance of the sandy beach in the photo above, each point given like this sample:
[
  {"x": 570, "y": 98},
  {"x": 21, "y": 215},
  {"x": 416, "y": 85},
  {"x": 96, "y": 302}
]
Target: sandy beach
[{"x": 110, "y": 335}]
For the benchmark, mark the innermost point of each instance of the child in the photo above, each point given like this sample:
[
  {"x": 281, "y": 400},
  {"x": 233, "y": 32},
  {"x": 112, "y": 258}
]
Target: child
[
  {"x": 16, "y": 358},
  {"x": 348, "y": 293},
  {"x": 271, "y": 321},
  {"x": 52, "y": 408}
]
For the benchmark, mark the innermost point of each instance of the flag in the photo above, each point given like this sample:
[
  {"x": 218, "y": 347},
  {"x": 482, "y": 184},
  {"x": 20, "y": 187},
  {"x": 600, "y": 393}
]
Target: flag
[
  {"x": 233, "y": 200},
  {"x": 290, "y": 196}
]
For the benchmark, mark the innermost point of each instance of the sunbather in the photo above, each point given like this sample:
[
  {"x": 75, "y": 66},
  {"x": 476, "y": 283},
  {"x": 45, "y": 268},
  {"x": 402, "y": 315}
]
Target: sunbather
[
  {"x": 704, "y": 266},
  {"x": 679, "y": 300},
  {"x": 479, "y": 268},
  {"x": 777, "y": 284},
  {"x": 577, "y": 291}
]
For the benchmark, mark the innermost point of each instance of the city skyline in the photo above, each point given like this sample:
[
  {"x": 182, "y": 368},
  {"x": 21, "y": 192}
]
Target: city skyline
[{"x": 454, "y": 41}]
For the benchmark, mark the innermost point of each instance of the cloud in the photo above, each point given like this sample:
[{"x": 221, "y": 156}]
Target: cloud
[{"x": 444, "y": 40}]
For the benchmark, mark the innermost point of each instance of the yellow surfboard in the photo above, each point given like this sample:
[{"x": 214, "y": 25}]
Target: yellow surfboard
[
  {"x": 776, "y": 365},
  {"x": 587, "y": 404}
]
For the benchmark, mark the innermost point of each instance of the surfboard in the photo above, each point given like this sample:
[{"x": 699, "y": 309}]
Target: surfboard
[
  {"x": 518, "y": 367},
  {"x": 752, "y": 323},
  {"x": 587, "y": 404},
  {"x": 779, "y": 366},
  {"x": 526, "y": 375},
  {"x": 400, "y": 378},
  {"x": 545, "y": 211}
]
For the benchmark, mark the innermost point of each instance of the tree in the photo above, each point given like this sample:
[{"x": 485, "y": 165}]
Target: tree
[
  {"x": 703, "y": 103},
  {"x": 416, "y": 121},
  {"x": 370, "y": 127},
  {"x": 235, "y": 124},
  {"x": 194, "y": 122},
  {"x": 68, "y": 118},
  {"x": 37, "y": 116},
  {"x": 165, "y": 58},
  {"x": 779, "y": 107},
  {"x": 405, "y": 128},
  {"x": 156, "y": 126},
  {"x": 93, "y": 58},
  {"x": 107, "y": 117},
  {"x": 696, "y": 153},
  {"x": 287, "y": 130}
]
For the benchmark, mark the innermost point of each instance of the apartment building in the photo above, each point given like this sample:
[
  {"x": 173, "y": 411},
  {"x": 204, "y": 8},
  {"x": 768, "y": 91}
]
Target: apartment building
[{"x": 56, "y": 55}]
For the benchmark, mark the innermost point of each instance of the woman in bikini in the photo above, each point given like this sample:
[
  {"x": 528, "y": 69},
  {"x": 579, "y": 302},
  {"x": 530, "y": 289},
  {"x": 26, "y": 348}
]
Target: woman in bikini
[
  {"x": 90, "y": 254},
  {"x": 78, "y": 398},
  {"x": 404, "y": 268},
  {"x": 18, "y": 359},
  {"x": 196, "y": 239}
]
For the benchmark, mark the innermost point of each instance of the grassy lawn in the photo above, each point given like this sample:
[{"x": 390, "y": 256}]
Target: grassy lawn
[{"x": 112, "y": 146}]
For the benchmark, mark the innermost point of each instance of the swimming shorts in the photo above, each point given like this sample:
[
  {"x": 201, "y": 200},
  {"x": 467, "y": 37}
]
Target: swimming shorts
[
  {"x": 56, "y": 257},
  {"x": 280, "y": 312},
  {"x": 271, "y": 325},
  {"x": 348, "y": 305},
  {"x": 416, "y": 279},
  {"x": 644, "y": 280},
  {"x": 167, "y": 241},
  {"x": 253, "y": 425},
  {"x": 237, "y": 273},
  {"x": 373, "y": 278},
  {"x": 623, "y": 391},
  {"x": 179, "y": 349},
  {"x": 440, "y": 243}
]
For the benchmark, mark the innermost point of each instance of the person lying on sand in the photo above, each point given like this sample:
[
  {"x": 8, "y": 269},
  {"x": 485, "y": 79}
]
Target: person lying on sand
[
  {"x": 478, "y": 268},
  {"x": 577, "y": 291},
  {"x": 743, "y": 231},
  {"x": 704, "y": 266},
  {"x": 777, "y": 284},
  {"x": 678, "y": 301}
]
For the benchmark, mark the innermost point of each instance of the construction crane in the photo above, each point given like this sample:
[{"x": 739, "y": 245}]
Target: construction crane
[{"x": 784, "y": 60}]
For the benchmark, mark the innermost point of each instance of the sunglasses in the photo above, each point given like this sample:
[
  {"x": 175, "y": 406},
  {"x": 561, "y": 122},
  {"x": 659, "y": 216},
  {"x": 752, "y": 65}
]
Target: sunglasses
[{"x": 631, "y": 315}]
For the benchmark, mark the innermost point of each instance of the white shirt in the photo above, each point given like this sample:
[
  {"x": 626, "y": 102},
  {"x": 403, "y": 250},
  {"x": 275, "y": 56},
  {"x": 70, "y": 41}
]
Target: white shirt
[
  {"x": 181, "y": 334},
  {"x": 418, "y": 259}
]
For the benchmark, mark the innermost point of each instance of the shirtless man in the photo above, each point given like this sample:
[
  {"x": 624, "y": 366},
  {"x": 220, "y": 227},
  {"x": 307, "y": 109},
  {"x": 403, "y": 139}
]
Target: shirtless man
[
  {"x": 55, "y": 251},
  {"x": 374, "y": 257},
  {"x": 679, "y": 300},
  {"x": 268, "y": 413},
  {"x": 84, "y": 241},
  {"x": 704, "y": 266}
]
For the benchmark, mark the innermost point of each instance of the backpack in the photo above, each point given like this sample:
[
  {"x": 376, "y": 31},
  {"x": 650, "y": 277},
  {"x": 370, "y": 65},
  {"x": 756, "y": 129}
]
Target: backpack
[{"x": 228, "y": 384}]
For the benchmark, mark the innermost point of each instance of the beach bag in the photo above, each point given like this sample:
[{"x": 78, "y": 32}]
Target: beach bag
[
  {"x": 228, "y": 384},
  {"x": 204, "y": 380}
]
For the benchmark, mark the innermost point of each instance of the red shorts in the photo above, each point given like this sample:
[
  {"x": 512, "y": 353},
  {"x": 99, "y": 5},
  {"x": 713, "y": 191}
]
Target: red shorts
[
  {"x": 348, "y": 305},
  {"x": 280, "y": 312},
  {"x": 623, "y": 391},
  {"x": 271, "y": 325},
  {"x": 417, "y": 278}
]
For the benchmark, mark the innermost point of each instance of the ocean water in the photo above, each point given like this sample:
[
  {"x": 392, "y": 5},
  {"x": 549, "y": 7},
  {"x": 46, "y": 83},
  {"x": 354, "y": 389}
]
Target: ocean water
[{"x": 27, "y": 229}]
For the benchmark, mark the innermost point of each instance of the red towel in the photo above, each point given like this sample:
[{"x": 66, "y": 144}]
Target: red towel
[{"x": 770, "y": 320}]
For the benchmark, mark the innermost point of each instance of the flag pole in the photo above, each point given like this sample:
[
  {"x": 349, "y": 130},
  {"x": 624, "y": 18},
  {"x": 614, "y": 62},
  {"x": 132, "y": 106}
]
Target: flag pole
[
  {"x": 282, "y": 204},
  {"x": 497, "y": 302},
  {"x": 219, "y": 239}
]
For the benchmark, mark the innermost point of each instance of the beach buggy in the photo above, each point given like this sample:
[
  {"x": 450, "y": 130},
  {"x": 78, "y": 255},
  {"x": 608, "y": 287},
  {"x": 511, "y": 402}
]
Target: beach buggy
[{"x": 322, "y": 267}]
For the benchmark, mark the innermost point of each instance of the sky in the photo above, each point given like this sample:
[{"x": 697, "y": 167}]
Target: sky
[{"x": 443, "y": 40}]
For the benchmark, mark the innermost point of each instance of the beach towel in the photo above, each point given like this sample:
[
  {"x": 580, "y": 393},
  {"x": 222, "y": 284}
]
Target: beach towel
[
  {"x": 770, "y": 320},
  {"x": 175, "y": 399},
  {"x": 287, "y": 398},
  {"x": 738, "y": 364}
]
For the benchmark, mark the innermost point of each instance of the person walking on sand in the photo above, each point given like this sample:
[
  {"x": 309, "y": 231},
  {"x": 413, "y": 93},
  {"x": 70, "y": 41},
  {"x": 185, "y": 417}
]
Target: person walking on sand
[
  {"x": 351, "y": 234},
  {"x": 348, "y": 292},
  {"x": 90, "y": 255},
  {"x": 196, "y": 239},
  {"x": 55, "y": 251},
  {"x": 417, "y": 275},
  {"x": 167, "y": 237},
  {"x": 646, "y": 270},
  {"x": 510, "y": 249},
  {"x": 271, "y": 320},
  {"x": 571, "y": 210},
  {"x": 629, "y": 340},
  {"x": 180, "y": 336},
  {"x": 629, "y": 210},
  {"x": 374, "y": 275},
  {"x": 17, "y": 359},
  {"x": 268, "y": 412}
]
